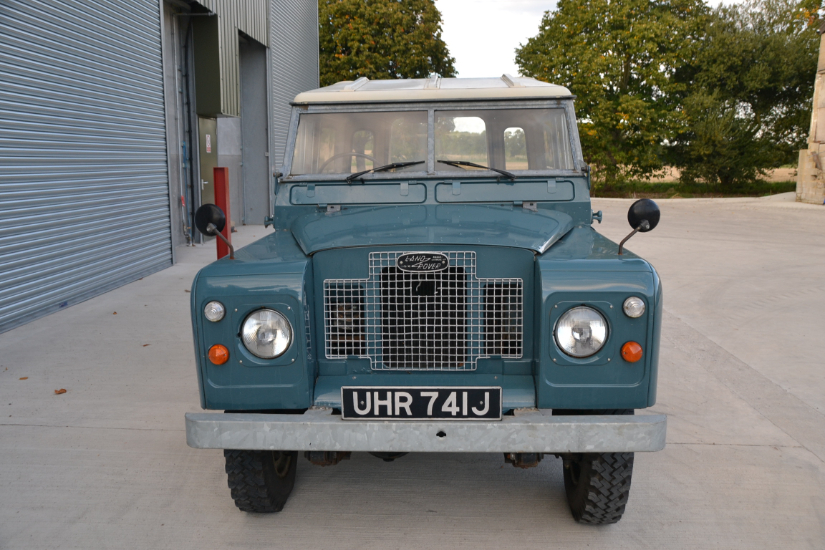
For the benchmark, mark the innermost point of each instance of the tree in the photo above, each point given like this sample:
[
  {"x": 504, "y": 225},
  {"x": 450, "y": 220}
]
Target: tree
[
  {"x": 381, "y": 39},
  {"x": 619, "y": 58},
  {"x": 754, "y": 73},
  {"x": 718, "y": 145}
]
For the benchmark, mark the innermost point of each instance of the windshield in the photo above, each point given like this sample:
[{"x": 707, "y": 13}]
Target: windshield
[
  {"x": 509, "y": 140},
  {"x": 345, "y": 143}
]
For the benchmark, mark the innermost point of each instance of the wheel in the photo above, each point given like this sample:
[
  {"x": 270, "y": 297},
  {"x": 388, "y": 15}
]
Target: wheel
[
  {"x": 339, "y": 155},
  {"x": 260, "y": 481},
  {"x": 597, "y": 485}
]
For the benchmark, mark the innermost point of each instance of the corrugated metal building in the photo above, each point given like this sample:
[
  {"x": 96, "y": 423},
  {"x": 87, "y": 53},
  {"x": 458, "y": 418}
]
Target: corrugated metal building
[{"x": 110, "y": 124}]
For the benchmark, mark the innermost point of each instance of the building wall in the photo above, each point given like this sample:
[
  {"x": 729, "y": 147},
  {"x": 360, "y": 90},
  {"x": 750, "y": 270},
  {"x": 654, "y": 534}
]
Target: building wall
[
  {"x": 255, "y": 123},
  {"x": 293, "y": 36},
  {"x": 247, "y": 16},
  {"x": 229, "y": 156},
  {"x": 95, "y": 147},
  {"x": 256, "y": 83},
  {"x": 174, "y": 127}
]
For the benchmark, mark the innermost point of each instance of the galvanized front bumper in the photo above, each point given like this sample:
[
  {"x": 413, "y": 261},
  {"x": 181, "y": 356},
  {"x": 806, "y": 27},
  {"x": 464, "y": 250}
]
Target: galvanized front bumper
[{"x": 528, "y": 431}]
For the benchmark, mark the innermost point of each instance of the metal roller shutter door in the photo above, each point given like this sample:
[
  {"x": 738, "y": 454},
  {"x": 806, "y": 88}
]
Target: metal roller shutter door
[{"x": 84, "y": 199}]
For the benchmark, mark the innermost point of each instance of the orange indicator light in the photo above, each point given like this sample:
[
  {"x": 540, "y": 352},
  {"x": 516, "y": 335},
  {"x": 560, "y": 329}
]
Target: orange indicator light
[
  {"x": 218, "y": 354},
  {"x": 631, "y": 352}
]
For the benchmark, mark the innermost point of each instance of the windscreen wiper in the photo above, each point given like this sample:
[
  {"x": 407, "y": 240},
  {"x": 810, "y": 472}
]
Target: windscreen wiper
[
  {"x": 461, "y": 163},
  {"x": 383, "y": 169}
]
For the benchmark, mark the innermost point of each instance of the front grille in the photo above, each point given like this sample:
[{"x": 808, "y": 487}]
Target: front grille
[{"x": 439, "y": 320}]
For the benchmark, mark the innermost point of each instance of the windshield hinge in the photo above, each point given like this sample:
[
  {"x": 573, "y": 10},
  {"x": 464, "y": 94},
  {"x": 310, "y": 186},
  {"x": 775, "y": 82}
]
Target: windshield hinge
[
  {"x": 333, "y": 208},
  {"x": 530, "y": 206}
]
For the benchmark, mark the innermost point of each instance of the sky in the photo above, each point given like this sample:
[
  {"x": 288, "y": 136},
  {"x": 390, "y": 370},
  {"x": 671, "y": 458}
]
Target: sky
[{"x": 482, "y": 35}]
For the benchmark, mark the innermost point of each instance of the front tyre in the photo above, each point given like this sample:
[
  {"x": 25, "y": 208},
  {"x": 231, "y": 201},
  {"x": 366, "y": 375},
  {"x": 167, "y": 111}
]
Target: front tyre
[
  {"x": 260, "y": 481},
  {"x": 598, "y": 486}
]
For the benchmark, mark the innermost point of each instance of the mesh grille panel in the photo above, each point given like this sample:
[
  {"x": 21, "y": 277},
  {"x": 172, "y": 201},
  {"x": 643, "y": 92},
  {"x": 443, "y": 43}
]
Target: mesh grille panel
[
  {"x": 344, "y": 319},
  {"x": 424, "y": 319},
  {"x": 438, "y": 320},
  {"x": 503, "y": 316}
]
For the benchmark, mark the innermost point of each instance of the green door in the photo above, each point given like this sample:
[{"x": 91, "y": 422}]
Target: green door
[{"x": 208, "y": 138}]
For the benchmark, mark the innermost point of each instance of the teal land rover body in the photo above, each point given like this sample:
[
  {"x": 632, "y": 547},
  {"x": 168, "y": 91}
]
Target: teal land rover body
[{"x": 433, "y": 282}]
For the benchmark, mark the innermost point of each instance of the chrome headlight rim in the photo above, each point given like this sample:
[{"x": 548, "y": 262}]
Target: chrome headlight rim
[
  {"x": 568, "y": 311},
  {"x": 634, "y": 307},
  {"x": 289, "y": 333}
]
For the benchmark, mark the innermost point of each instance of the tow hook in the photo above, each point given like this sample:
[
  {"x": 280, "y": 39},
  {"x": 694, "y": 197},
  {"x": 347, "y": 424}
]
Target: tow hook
[{"x": 523, "y": 460}]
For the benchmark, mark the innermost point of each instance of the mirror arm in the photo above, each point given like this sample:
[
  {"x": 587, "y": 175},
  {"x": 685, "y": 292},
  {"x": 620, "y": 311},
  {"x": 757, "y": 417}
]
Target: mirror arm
[
  {"x": 644, "y": 225},
  {"x": 214, "y": 231}
]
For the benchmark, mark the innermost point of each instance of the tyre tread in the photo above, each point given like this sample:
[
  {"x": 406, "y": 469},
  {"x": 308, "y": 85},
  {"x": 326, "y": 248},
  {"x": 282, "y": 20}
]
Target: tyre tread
[
  {"x": 601, "y": 494},
  {"x": 608, "y": 488},
  {"x": 248, "y": 483}
]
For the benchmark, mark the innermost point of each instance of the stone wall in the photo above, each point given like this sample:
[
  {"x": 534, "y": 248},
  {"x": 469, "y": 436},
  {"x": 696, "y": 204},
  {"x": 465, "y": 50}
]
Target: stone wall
[{"x": 810, "y": 179}]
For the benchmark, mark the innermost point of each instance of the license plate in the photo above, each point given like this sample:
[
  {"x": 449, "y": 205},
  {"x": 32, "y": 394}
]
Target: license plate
[{"x": 420, "y": 403}]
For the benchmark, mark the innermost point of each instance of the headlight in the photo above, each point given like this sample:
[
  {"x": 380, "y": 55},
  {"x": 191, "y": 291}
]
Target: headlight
[
  {"x": 266, "y": 334},
  {"x": 634, "y": 307},
  {"x": 581, "y": 331},
  {"x": 214, "y": 311}
]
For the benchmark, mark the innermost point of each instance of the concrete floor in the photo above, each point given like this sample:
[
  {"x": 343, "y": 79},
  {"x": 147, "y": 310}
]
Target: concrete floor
[{"x": 106, "y": 465}]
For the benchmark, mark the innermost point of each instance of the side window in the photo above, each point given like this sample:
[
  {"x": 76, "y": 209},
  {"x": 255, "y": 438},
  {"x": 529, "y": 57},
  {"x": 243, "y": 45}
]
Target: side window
[
  {"x": 459, "y": 137},
  {"x": 408, "y": 139},
  {"x": 515, "y": 149},
  {"x": 363, "y": 148}
]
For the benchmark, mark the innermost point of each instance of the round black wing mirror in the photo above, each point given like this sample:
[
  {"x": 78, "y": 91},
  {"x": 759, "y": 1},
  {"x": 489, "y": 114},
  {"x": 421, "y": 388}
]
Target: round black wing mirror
[
  {"x": 210, "y": 215},
  {"x": 210, "y": 220},
  {"x": 643, "y": 210},
  {"x": 643, "y": 216}
]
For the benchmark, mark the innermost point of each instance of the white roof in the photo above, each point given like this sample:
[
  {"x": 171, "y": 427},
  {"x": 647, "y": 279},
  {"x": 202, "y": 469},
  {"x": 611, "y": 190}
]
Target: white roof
[{"x": 432, "y": 89}]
